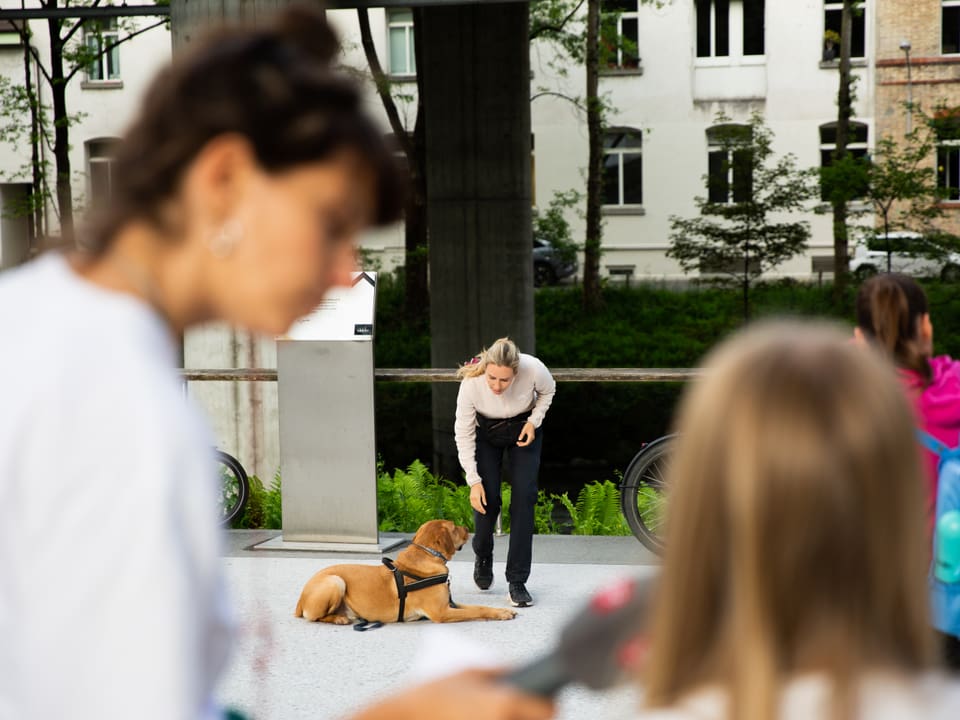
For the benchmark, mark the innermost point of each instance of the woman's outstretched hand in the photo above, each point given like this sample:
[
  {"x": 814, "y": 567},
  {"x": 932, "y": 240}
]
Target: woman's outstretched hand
[
  {"x": 478, "y": 498},
  {"x": 476, "y": 694},
  {"x": 527, "y": 435}
]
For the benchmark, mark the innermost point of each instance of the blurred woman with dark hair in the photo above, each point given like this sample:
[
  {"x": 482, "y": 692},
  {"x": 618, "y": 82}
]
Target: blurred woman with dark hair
[{"x": 239, "y": 192}]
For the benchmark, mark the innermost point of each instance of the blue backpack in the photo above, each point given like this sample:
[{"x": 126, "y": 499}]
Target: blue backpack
[{"x": 945, "y": 569}]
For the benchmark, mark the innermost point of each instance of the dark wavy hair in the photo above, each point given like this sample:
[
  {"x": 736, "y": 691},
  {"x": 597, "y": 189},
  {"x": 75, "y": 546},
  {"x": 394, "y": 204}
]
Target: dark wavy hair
[
  {"x": 275, "y": 87},
  {"x": 889, "y": 308}
]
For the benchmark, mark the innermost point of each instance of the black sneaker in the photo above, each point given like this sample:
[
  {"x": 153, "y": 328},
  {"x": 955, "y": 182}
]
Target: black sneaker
[
  {"x": 483, "y": 572},
  {"x": 519, "y": 597}
]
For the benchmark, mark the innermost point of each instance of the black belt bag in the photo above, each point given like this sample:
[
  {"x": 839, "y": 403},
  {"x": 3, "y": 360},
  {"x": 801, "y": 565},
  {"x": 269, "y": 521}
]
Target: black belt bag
[{"x": 501, "y": 432}]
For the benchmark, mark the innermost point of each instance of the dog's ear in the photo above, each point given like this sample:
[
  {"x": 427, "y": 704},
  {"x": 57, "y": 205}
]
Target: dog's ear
[{"x": 445, "y": 539}]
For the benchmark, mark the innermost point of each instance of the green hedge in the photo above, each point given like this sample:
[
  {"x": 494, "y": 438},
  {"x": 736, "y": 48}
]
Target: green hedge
[{"x": 593, "y": 430}]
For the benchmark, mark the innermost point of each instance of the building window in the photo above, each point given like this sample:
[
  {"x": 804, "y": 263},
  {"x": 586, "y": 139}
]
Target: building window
[
  {"x": 719, "y": 22},
  {"x": 11, "y": 32},
  {"x": 622, "y": 167},
  {"x": 832, "y": 19},
  {"x": 753, "y": 27},
  {"x": 101, "y": 155},
  {"x": 400, "y": 40},
  {"x": 857, "y": 144},
  {"x": 99, "y": 36},
  {"x": 946, "y": 124},
  {"x": 950, "y": 27},
  {"x": 729, "y": 164},
  {"x": 620, "y": 33}
]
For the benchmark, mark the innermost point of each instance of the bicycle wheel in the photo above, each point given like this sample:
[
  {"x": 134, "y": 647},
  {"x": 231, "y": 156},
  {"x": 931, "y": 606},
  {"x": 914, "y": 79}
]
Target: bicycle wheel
[
  {"x": 642, "y": 493},
  {"x": 234, "y": 488}
]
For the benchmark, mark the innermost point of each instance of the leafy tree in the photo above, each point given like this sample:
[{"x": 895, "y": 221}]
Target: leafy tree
[
  {"x": 70, "y": 54},
  {"x": 592, "y": 40},
  {"x": 552, "y": 225},
  {"x": 902, "y": 187},
  {"x": 741, "y": 230}
]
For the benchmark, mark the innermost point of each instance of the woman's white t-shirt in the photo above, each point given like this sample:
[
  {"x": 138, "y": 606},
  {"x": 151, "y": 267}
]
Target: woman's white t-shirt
[
  {"x": 111, "y": 600},
  {"x": 882, "y": 696}
]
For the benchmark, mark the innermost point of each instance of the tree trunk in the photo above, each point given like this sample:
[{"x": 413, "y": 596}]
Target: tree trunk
[
  {"x": 841, "y": 261},
  {"x": 36, "y": 180},
  {"x": 591, "y": 245},
  {"x": 61, "y": 133},
  {"x": 416, "y": 298},
  {"x": 746, "y": 287}
]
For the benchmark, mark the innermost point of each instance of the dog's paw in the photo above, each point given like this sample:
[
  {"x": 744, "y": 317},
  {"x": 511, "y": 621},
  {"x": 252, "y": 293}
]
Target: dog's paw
[
  {"x": 506, "y": 614},
  {"x": 341, "y": 620}
]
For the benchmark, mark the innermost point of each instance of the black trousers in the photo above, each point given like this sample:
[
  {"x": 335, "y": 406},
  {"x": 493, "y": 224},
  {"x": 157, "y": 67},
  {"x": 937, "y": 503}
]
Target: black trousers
[{"x": 524, "y": 468}]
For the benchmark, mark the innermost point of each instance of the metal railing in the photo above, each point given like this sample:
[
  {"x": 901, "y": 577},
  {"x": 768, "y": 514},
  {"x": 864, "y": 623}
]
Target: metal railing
[{"x": 431, "y": 375}]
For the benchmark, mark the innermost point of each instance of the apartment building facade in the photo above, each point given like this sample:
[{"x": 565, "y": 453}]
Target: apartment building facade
[
  {"x": 687, "y": 63},
  {"x": 918, "y": 77}
]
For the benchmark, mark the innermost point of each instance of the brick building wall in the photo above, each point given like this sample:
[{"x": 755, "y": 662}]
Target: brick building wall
[{"x": 934, "y": 78}]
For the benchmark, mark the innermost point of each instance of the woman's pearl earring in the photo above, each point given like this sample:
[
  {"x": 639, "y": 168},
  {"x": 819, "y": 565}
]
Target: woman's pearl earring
[{"x": 223, "y": 242}]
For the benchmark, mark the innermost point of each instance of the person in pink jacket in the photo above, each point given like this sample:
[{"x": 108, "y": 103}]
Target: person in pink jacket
[{"x": 893, "y": 315}]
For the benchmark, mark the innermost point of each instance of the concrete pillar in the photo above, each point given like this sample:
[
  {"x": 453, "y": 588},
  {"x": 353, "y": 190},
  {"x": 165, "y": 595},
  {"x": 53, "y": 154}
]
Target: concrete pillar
[
  {"x": 476, "y": 87},
  {"x": 191, "y": 18}
]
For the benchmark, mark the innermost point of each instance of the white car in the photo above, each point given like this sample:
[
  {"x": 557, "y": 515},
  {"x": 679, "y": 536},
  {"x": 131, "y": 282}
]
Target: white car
[{"x": 906, "y": 256}]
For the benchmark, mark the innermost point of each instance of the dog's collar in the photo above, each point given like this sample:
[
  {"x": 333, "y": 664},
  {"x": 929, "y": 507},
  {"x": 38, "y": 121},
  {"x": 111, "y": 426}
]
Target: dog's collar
[{"x": 435, "y": 553}]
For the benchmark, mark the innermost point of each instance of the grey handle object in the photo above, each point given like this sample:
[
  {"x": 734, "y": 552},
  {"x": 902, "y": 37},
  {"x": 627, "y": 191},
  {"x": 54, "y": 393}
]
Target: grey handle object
[{"x": 597, "y": 647}]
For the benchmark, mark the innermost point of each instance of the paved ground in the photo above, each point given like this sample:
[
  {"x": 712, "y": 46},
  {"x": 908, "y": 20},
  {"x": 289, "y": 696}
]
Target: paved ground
[{"x": 284, "y": 668}]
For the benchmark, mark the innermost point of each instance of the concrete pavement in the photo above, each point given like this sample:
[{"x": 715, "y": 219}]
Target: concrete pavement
[{"x": 284, "y": 668}]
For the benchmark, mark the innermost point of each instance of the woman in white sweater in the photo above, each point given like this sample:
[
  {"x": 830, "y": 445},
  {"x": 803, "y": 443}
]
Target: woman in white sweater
[
  {"x": 504, "y": 396},
  {"x": 793, "y": 583}
]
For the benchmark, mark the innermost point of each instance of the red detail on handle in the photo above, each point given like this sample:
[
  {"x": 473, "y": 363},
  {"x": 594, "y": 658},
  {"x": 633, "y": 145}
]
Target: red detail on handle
[
  {"x": 613, "y": 597},
  {"x": 632, "y": 654}
]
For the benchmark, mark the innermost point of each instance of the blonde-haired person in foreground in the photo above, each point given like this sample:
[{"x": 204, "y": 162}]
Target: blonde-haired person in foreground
[{"x": 793, "y": 579}]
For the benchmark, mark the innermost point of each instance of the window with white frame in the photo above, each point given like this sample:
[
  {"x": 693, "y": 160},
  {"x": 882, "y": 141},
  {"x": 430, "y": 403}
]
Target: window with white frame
[
  {"x": 730, "y": 28},
  {"x": 832, "y": 20},
  {"x": 947, "y": 126},
  {"x": 622, "y": 167},
  {"x": 100, "y": 37},
  {"x": 101, "y": 155},
  {"x": 950, "y": 27},
  {"x": 857, "y": 147},
  {"x": 620, "y": 33},
  {"x": 400, "y": 39},
  {"x": 729, "y": 164}
]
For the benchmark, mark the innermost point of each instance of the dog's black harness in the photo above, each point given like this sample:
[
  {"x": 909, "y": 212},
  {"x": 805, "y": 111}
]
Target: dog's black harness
[{"x": 419, "y": 583}]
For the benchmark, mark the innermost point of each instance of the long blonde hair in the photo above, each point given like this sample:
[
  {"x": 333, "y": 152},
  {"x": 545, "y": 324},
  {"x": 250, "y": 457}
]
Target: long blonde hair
[
  {"x": 795, "y": 538},
  {"x": 503, "y": 352}
]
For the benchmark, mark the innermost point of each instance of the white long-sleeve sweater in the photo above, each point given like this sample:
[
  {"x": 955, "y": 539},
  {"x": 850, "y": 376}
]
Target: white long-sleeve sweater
[{"x": 532, "y": 389}]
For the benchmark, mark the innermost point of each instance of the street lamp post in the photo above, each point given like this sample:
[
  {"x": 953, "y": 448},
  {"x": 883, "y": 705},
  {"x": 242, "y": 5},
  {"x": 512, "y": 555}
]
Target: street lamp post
[{"x": 905, "y": 46}]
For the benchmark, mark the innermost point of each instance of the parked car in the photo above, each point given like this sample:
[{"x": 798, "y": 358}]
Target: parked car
[
  {"x": 549, "y": 267},
  {"x": 907, "y": 255}
]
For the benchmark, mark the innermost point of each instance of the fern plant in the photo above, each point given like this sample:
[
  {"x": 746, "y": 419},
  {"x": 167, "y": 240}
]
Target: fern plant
[
  {"x": 596, "y": 510},
  {"x": 263, "y": 508}
]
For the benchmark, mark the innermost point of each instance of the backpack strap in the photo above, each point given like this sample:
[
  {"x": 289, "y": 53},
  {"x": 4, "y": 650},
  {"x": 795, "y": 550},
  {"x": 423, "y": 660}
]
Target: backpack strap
[{"x": 931, "y": 443}]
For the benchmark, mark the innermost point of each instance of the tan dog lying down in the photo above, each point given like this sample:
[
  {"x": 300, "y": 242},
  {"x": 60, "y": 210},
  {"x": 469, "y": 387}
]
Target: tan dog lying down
[{"x": 343, "y": 593}]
